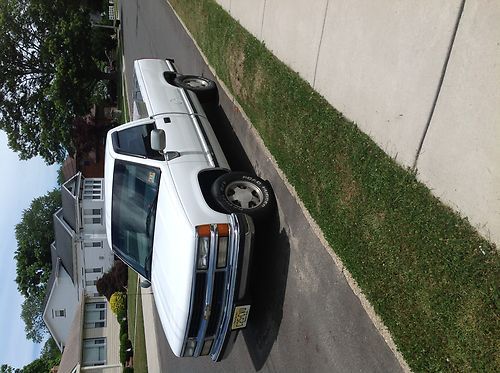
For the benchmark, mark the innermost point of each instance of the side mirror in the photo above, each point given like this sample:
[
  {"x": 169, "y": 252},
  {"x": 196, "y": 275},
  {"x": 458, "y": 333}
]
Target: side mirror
[
  {"x": 145, "y": 284},
  {"x": 158, "y": 140}
]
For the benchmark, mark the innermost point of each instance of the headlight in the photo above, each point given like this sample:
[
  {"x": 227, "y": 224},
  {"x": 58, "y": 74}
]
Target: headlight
[{"x": 203, "y": 252}]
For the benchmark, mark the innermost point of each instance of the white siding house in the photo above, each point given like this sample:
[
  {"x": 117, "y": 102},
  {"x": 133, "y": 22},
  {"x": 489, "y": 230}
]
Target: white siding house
[{"x": 78, "y": 317}]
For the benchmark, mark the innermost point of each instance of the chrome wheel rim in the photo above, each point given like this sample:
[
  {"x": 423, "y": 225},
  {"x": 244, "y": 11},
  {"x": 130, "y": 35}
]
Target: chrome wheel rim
[
  {"x": 244, "y": 194},
  {"x": 196, "y": 82}
]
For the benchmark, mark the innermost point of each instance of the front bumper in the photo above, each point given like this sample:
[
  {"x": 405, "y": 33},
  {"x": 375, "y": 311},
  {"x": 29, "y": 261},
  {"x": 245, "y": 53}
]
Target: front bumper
[
  {"x": 216, "y": 292},
  {"x": 239, "y": 285}
]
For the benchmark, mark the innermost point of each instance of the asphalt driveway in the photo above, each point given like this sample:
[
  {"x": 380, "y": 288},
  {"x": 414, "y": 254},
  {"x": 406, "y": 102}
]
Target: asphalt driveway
[{"x": 305, "y": 317}]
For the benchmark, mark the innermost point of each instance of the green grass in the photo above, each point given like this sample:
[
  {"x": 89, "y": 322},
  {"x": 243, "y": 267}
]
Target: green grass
[
  {"x": 136, "y": 323},
  {"x": 428, "y": 274},
  {"x": 134, "y": 299}
]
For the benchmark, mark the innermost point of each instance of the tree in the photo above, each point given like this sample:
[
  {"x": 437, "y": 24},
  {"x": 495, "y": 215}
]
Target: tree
[
  {"x": 34, "y": 234},
  {"x": 47, "y": 74},
  {"x": 49, "y": 357},
  {"x": 5, "y": 368},
  {"x": 32, "y": 315},
  {"x": 115, "y": 280}
]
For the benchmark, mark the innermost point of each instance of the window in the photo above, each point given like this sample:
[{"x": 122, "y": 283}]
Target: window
[
  {"x": 94, "y": 352},
  {"x": 136, "y": 141},
  {"x": 90, "y": 282},
  {"x": 93, "y": 244},
  {"x": 95, "y": 315},
  {"x": 60, "y": 313},
  {"x": 135, "y": 191},
  {"x": 90, "y": 212},
  {"x": 92, "y": 220},
  {"x": 93, "y": 270}
]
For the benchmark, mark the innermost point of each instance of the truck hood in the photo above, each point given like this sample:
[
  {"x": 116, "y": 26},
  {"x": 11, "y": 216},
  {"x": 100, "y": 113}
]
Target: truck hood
[{"x": 172, "y": 268}]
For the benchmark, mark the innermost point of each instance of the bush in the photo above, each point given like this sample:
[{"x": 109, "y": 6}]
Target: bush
[
  {"x": 123, "y": 327},
  {"x": 118, "y": 304},
  {"x": 125, "y": 349},
  {"x": 128, "y": 370}
]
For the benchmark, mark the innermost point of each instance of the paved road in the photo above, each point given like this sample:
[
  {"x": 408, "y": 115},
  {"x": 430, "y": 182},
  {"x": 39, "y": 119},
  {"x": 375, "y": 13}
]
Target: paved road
[{"x": 305, "y": 317}]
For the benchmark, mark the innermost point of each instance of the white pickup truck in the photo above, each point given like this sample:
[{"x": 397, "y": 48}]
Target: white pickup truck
[{"x": 178, "y": 215}]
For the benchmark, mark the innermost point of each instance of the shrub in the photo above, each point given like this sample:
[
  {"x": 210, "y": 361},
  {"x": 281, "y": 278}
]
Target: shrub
[
  {"x": 118, "y": 304},
  {"x": 128, "y": 370},
  {"x": 123, "y": 327},
  {"x": 125, "y": 349}
]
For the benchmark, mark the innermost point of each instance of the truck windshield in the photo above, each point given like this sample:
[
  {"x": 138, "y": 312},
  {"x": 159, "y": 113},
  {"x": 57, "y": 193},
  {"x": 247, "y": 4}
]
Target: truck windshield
[{"x": 135, "y": 192}]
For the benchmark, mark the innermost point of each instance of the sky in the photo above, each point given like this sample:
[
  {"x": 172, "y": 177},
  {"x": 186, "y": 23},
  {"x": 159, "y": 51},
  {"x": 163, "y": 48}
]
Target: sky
[{"x": 22, "y": 181}]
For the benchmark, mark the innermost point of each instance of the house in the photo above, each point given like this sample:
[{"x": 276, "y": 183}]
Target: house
[{"x": 78, "y": 317}]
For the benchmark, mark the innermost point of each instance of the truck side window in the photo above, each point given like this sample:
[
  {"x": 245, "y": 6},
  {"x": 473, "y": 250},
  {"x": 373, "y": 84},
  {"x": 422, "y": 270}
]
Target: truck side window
[{"x": 136, "y": 141}]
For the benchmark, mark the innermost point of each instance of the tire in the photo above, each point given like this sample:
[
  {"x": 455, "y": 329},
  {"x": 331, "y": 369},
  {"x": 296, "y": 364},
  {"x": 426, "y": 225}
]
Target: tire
[
  {"x": 205, "y": 89},
  {"x": 239, "y": 192}
]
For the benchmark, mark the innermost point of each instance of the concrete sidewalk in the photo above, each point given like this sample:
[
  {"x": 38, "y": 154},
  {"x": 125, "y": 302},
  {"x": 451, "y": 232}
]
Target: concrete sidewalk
[
  {"x": 420, "y": 78},
  {"x": 150, "y": 331}
]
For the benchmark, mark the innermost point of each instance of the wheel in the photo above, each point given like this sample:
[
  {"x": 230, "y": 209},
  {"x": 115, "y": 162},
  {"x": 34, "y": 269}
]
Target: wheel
[
  {"x": 205, "y": 89},
  {"x": 240, "y": 192}
]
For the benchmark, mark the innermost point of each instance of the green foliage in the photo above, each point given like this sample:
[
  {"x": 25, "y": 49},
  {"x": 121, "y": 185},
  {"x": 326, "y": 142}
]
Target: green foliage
[
  {"x": 128, "y": 370},
  {"x": 47, "y": 74},
  {"x": 34, "y": 234},
  {"x": 114, "y": 280},
  {"x": 125, "y": 349},
  {"x": 60, "y": 176},
  {"x": 123, "y": 327},
  {"x": 118, "y": 304},
  {"x": 32, "y": 315},
  {"x": 426, "y": 271},
  {"x": 5, "y": 368},
  {"x": 50, "y": 356}
]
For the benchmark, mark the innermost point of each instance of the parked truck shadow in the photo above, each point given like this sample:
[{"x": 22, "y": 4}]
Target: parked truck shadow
[
  {"x": 271, "y": 255},
  {"x": 268, "y": 285}
]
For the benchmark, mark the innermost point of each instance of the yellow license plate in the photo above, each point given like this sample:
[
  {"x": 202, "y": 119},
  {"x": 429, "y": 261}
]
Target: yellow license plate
[{"x": 240, "y": 317}]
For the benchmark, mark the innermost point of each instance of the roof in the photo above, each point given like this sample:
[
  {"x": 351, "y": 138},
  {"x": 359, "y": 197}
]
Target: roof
[
  {"x": 53, "y": 274},
  {"x": 70, "y": 193},
  {"x": 69, "y": 168},
  {"x": 64, "y": 242},
  {"x": 72, "y": 353}
]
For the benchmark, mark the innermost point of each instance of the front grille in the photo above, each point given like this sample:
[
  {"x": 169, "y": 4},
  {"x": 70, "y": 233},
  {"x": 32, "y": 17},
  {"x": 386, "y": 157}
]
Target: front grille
[
  {"x": 217, "y": 302},
  {"x": 210, "y": 287},
  {"x": 198, "y": 301}
]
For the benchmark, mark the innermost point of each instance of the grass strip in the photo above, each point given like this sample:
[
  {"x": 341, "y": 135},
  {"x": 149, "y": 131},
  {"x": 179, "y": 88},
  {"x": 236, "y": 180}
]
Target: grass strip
[
  {"x": 134, "y": 298},
  {"x": 428, "y": 274},
  {"x": 136, "y": 323},
  {"x": 131, "y": 304}
]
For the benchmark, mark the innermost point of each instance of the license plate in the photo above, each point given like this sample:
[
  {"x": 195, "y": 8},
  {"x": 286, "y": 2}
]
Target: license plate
[{"x": 240, "y": 317}]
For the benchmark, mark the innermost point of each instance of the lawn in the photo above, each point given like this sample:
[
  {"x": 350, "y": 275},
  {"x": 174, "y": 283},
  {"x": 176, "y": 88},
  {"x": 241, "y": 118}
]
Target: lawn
[
  {"x": 134, "y": 301},
  {"x": 136, "y": 323},
  {"x": 429, "y": 275}
]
